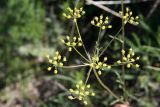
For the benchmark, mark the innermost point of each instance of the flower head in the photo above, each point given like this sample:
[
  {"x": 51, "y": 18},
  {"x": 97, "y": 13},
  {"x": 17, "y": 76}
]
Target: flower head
[
  {"x": 99, "y": 65},
  {"x": 101, "y": 22},
  {"x": 72, "y": 42},
  {"x": 129, "y": 59},
  {"x": 74, "y": 13},
  {"x": 81, "y": 92},
  {"x": 127, "y": 17},
  {"x": 56, "y": 61}
]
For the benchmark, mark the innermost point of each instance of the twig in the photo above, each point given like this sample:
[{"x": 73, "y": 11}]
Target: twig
[
  {"x": 89, "y": 2},
  {"x": 119, "y": 2},
  {"x": 103, "y": 7}
]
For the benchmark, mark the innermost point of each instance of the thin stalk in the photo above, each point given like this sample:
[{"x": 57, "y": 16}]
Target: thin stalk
[
  {"x": 123, "y": 37},
  {"x": 81, "y": 54},
  {"x": 88, "y": 75},
  {"x": 98, "y": 40},
  {"x": 123, "y": 63},
  {"x": 104, "y": 86},
  {"x": 75, "y": 66},
  {"x": 105, "y": 48},
  {"x": 81, "y": 38}
]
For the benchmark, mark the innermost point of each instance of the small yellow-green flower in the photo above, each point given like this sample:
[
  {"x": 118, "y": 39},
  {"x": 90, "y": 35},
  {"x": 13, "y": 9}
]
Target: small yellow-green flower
[
  {"x": 81, "y": 92},
  {"x": 72, "y": 42},
  {"x": 56, "y": 61},
  {"x": 127, "y": 17},
  {"x": 74, "y": 13},
  {"x": 98, "y": 65},
  {"x": 129, "y": 59},
  {"x": 101, "y": 22}
]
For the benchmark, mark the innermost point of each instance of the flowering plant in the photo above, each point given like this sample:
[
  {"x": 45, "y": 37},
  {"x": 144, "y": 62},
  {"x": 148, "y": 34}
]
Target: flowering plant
[{"x": 94, "y": 60}]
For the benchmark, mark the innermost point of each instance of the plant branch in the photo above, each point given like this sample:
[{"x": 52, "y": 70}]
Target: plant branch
[
  {"x": 118, "y": 2},
  {"x": 91, "y": 2},
  {"x": 103, "y": 7}
]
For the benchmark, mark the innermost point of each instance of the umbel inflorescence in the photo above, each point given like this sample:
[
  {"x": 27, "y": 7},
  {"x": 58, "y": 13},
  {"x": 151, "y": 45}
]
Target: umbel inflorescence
[
  {"x": 101, "y": 22},
  {"x": 56, "y": 61},
  {"x": 81, "y": 92},
  {"x": 72, "y": 42},
  {"x": 99, "y": 65},
  {"x": 129, "y": 59},
  {"x": 93, "y": 60},
  {"x": 74, "y": 14},
  {"x": 127, "y": 17}
]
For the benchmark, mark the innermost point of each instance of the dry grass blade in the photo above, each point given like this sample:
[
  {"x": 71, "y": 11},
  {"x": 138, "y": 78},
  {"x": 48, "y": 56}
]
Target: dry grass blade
[{"x": 157, "y": 2}]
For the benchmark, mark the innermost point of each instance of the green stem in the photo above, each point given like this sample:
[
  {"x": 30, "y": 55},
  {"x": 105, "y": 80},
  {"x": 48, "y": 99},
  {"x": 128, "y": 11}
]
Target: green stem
[
  {"x": 105, "y": 48},
  {"x": 88, "y": 75},
  {"x": 123, "y": 63},
  {"x": 123, "y": 38},
  {"x": 80, "y": 54},
  {"x": 81, "y": 38},
  {"x": 104, "y": 86},
  {"x": 98, "y": 40}
]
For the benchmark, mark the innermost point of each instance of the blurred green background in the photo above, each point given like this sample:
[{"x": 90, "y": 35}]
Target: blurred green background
[{"x": 30, "y": 29}]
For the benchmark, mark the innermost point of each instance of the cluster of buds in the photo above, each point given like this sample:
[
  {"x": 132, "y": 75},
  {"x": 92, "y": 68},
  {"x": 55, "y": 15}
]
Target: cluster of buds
[
  {"x": 74, "y": 13},
  {"x": 127, "y": 17},
  {"x": 99, "y": 22},
  {"x": 56, "y": 61},
  {"x": 72, "y": 42},
  {"x": 98, "y": 65},
  {"x": 129, "y": 59},
  {"x": 81, "y": 92}
]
